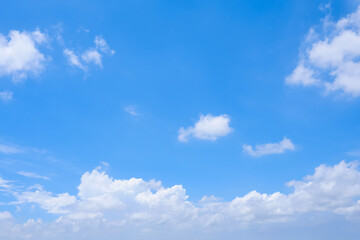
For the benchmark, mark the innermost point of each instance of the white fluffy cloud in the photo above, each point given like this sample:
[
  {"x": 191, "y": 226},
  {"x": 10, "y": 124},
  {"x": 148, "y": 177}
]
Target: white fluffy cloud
[
  {"x": 331, "y": 58},
  {"x": 269, "y": 148},
  {"x": 92, "y": 55},
  {"x": 20, "y": 55},
  {"x": 46, "y": 200},
  {"x": 107, "y": 204},
  {"x": 207, "y": 128},
  {"x": 6, "y": 96}
]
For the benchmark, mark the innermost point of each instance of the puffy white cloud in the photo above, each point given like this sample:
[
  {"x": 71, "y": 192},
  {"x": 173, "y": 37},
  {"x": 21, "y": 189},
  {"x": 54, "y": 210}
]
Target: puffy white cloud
[
  {"x": 104, "y": 205},
  {"x": 19, "y": 54},
  {"x": 269, "y": 148},
  {"x": 329, "y": 189},
  {"x": 207, "y": 128},
  {"x": 92, "y": 55},
  {"x": 303, "y": 76},
  {"x": 46, "y": 200},
  {"x": 6, "y": 96},
  {"x": 331, "y": 58}
]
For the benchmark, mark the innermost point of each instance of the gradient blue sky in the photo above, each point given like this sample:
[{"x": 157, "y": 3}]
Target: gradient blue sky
[{"x": 173, "y": 61}]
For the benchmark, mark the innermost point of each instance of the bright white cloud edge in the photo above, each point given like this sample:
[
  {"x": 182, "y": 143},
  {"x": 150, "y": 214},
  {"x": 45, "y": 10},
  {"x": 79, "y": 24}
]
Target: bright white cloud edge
[
  {"x": 20, "y": 55},
  {"x": 330, "y": 58}
]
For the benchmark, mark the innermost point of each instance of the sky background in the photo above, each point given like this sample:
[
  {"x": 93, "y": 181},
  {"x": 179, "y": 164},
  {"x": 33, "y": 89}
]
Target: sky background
[{"x": 173, "y": 61}]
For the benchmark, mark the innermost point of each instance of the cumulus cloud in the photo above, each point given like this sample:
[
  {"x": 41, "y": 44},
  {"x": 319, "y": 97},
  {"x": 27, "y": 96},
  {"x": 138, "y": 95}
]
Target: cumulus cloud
[
  {"x": 207, "y": 128},
  {"x": 302, "y": 76},
  {"x": 331, "y": 57},
  {"x": 142, "y": 205},
  {"x": 6, "y": 96},
  {"x": 48, "y": 201},
  {"x": 20, "y": 55},
  {"x": 269, "y": 148},
  {"x": 91, "y": 56},
  {"x": 106, "y": 204}
]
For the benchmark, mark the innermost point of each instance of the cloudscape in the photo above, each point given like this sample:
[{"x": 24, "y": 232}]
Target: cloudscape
[{"x": 199, "y": 120}]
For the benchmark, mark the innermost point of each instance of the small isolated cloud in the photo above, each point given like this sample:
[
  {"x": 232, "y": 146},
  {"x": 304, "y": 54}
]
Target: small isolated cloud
[
  {"x": 91, "y": 56},
  {"x": 331, "y": 57},
  {"x": 6, "y": 96},
  {"x": 269, "y": 148},
  {"x": 7, "y": 149},
  {"x": 131, "y": 110},
  {"x": 19, "y": 54},
  {"x": 73, "y": 59},
  {"x": 103, "y": 166},
  {"x": 207, "y": 128},
  {"x": 32, "y": 175}
]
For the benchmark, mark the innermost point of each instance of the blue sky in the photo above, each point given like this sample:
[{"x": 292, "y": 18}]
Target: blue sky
[{"x": 228, "y": 99}]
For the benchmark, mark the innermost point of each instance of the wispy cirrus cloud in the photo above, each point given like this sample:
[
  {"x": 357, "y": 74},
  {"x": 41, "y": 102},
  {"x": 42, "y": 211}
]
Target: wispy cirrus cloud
[
  {"x": 10, "y": 149},
  {"x": 32, "y": 175},
  {"x": 269, "y": 148},
  {"x": 92, "y": 55},
  {"x": 5, "y": 184}
]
